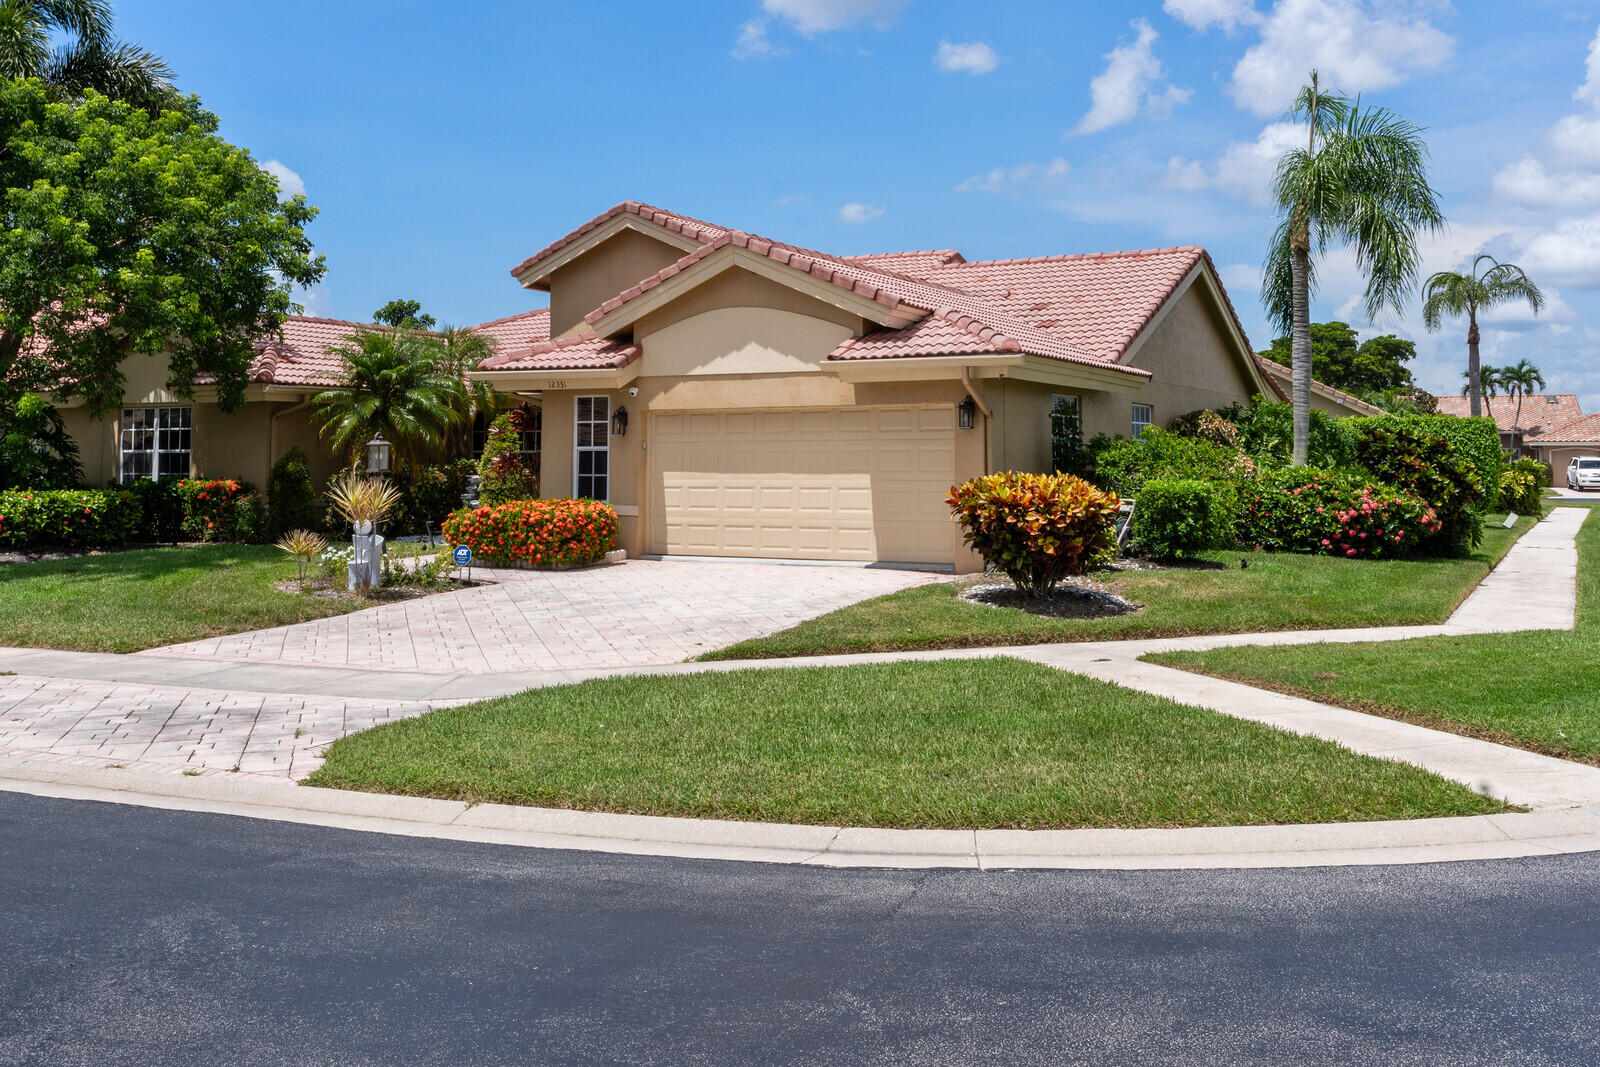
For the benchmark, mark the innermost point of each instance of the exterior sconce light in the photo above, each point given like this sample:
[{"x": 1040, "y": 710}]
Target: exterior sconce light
[
  {"x": 378, "y": 455},
  {"x": 966, "y": 413},
  {"x": 619, "y": 422}
]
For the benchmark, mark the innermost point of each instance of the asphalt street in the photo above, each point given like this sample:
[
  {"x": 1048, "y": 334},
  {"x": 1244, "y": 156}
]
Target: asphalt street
[{"x": 140, "y": 936}]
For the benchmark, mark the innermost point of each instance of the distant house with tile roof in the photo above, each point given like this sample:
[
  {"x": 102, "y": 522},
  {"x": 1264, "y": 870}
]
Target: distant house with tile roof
[{"x": 1549, "y": 426}]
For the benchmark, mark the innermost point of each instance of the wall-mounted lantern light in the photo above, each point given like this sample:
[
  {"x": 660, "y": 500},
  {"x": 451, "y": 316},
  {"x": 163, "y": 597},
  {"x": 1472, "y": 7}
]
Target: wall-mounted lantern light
[
  {"x": 378, "y": 455},
  {"x": 619, "y": 422},
  {"x": 966, "y": 413}
]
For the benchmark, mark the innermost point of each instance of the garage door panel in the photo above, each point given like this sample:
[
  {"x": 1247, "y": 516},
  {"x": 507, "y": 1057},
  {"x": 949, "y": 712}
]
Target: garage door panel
[{"x": 855, "y": 484}]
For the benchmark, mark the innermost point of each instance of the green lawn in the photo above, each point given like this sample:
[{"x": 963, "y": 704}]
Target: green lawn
[
  {"x": 127, "y": 601},
  {"x": 1277, "y": 591},
  {"x": 1538, "y": 690},
  {"x": 977, "y": 743}
]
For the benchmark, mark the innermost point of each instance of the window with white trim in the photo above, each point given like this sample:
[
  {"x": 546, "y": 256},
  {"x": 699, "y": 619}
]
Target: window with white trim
[
  {"x": 1141, "y": 419},
  {"x": 155, "y": 443},
  {"x": 1066, "y": 431},
  {"x": 591, "y": 461}
]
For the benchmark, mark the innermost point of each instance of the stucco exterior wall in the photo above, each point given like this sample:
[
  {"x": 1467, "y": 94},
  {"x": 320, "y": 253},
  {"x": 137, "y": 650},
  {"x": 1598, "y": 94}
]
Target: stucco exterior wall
[{"x": 600, "y": 274}]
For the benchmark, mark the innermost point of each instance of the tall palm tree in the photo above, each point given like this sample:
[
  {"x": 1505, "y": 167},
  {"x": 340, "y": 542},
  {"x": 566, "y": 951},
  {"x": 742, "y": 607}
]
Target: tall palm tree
[
  {"x": 92, "y": 58},
  {"x": 461, "y": 350},
  {"x": 1456, "y": 293},
  {"x": 1490, "y": 380},
  {"x": 393, "y": 384},
  {"x": 1361, "y": 181},
  {"x": 1520, "y": 379}
]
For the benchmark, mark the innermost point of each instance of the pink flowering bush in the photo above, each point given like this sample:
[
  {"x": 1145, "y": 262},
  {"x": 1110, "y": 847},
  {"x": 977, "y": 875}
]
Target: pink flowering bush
[{"x": 1334, "y": 512}]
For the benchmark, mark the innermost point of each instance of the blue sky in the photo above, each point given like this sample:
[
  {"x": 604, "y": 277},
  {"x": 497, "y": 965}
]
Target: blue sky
[{"x": 445, "y": 142}]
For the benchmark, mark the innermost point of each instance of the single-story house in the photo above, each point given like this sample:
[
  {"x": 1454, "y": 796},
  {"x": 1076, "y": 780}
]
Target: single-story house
[
  {"x": 732, "y": 395},
  {"x": 1532, "y": 428},
  {"x": 1323, "y": 397}
]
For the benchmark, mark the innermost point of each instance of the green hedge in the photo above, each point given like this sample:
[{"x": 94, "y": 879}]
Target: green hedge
[
  {"x": 1179, "y": 517},
  {"x": 1475, "y": 441},
  {"x": 70, "y": 518}
]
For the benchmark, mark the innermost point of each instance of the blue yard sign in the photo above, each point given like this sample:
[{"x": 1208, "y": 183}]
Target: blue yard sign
[{"x": 463, "y": 555}]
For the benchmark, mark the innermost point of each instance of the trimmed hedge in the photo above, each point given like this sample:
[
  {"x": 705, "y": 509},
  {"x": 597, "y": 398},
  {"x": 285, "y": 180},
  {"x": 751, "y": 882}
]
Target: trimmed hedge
[
  {"x": 291, "y": 498},
  {"x": 1475, "y": 441},
  {"x": 1300, "y": 509},
  {"x": 1181, "y": 517},
  {"x": 1522, "y": 486},
  {"x": 540, "y": 533},
  {"x": 1124, "y": 467},
  {"x": 1037, "y": 528},
  {"x": 71, "y": 518}
]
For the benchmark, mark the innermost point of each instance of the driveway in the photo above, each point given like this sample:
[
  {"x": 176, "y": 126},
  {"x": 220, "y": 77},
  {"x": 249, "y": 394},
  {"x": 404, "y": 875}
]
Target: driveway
[{"x": 633, "y": 614}]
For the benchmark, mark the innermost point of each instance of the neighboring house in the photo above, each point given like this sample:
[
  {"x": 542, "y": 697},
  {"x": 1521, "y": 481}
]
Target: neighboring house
[
  {"x": 158, "y": 433},
  {"x": 1525, "y": 432},
  {"x": 1323, "y": 397},
  {"x": 736, "y": 396}
]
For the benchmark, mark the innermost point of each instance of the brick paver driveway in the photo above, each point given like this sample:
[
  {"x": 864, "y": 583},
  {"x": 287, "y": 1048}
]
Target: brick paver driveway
[{"x": 637, "y": 613}]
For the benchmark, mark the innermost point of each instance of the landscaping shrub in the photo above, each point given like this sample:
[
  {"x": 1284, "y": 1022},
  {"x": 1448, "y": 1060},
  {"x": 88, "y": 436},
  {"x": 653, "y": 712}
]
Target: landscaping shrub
[
  {"x": 1406, "y": 456},
  {"x": 1124, "y": 466},
  {"x": 431, "y": 494},
  {"x": 544, "y": 533},
  {"x": 1037, "y": 528},
  {"x": 291, "y": 498},
  {"x": 36, "y": 451},
  {"x": 1475, "y": 441},
  {"x": 160, "y": 509},
  {"x": 219, "y": 509},
  {"x": 68, "y": 517},
  {"x": 1207, "y": 425},
  {"x": 1266, "y": 434},
  {"x": 1179, "y": 517},
  {"x": 502, "y": 474},
  {"x": 1522, "y": 486},
  {"x": 1301, "y": 509}
]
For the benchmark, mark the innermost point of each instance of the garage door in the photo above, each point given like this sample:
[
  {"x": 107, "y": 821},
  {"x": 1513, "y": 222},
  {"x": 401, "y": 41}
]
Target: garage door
[{"x": 859, "y": 484}]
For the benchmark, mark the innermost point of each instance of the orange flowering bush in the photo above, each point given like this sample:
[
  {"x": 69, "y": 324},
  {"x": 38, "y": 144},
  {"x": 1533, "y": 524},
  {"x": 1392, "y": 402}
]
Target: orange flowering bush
[
  {"x": 217, "y": 509},
  {"x": 1037, "y": 528},
  {"x": 542, "y": 533}
]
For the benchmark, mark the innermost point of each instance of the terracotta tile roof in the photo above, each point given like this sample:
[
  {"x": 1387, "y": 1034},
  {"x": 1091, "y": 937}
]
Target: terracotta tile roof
[
  {"x": 586, "y": 352},
  {"x": 1580, "y": 430},
  {"x": 1280, "y": 378},
  {"x": 517, "y": 331},
  {"x": 1540, "y": 411},
  {"x": 910, "y": 264},
  {"x": 300, "y": 356},
  {"x": 690, "y": 227}
]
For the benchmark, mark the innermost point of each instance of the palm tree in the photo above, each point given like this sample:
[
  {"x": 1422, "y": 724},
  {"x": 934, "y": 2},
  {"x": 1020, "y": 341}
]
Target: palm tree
[
  {"x": 1520, "y": 379},
  {"x": 461, "y": 350},
  {"x": 1490, "y": 381},
  {"x": 393, "y": 384},
  {"x": 91, "y": 59},
  {"x": 1360, "y": 181},
  {"x": 1454, "y": 293}
]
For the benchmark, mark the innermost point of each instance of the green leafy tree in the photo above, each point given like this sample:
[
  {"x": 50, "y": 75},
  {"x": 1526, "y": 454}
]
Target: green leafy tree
[
  {"x": 393, "y": 384},
  {"x": 125, "y": 233},
  {"x": 1371, "y": 366},
  {"x": 1518, "y": 380},
  {"x": 36, "y": 451},
  {"x": 404, "y": 315},
  {"x": 91, "y": 59},
  {"x": 1361, "y": 181},
  {"x": 1456, "y": 293}
]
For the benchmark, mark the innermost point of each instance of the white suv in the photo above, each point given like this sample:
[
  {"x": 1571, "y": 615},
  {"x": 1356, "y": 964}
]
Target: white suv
[{"x": 1584, "y": 472}]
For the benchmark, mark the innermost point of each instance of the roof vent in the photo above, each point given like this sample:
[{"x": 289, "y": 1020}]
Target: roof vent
[{"x": 1552, "y": 400}]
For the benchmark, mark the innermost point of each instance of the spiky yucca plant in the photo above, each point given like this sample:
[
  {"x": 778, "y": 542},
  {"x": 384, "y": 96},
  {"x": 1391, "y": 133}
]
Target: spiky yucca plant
[
  {"x": 304, "y": 546},
  {"x": 363, "y": 498}
]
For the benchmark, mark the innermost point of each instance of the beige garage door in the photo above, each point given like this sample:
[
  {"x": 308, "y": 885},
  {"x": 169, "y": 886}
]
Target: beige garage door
[{"x": 841, "y": 483}]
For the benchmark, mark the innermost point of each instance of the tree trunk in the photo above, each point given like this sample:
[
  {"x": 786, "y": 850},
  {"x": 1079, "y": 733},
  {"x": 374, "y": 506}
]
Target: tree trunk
[
  {"x": 1300, "y": 349},
  {"x": 1474, "y": 386}
]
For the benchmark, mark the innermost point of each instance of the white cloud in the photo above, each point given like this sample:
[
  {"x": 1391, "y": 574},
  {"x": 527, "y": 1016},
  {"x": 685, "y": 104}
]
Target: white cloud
[
  {"x": 1589, "y": 91},
  {"x": 971, "y": 57},
  {"x": 1017, "y": 179},
  {"x": 1132, "y": 80},
  {"x": 1245, "y": 169},
  {"x": 289, "y": 183},
  {"x": 811, "y": 17},
  {"x": 1356, "y": 46},
  {"x": 856, "y": 213},
  {"x": 1204, "y": 14},
  {"x": 753, "y": 42},
  {"x": 1567, "y": 171},
  {"x": 1567, "y": 253}
]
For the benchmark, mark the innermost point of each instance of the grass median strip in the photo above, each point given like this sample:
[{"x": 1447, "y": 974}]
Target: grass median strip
[
  {"x": 1276, "y": 591},
  {"x": 1536, "y": 690},
  {"x": 961, "y": 743}
]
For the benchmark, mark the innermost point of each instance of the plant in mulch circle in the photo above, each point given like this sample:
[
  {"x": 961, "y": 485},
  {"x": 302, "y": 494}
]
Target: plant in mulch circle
[{"x": 303, "y": 545}]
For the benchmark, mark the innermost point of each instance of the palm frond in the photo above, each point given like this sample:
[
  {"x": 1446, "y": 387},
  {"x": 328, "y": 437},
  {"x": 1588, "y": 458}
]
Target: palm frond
[{"x": 117, "y": 69}]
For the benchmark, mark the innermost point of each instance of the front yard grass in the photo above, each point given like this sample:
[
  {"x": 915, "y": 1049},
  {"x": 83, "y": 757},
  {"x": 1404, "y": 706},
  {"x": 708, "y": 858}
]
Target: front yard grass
[
  {"x": 1277, "y": 591},
  {"x": 1536, "y": 690},
  {"x": 127, "y": 601},
  {"x": 959, "y": 743}
]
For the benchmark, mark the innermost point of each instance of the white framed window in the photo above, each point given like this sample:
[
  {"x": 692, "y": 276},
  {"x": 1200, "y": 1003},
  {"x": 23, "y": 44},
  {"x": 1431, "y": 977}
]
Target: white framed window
[
  {"x": 1141, "y": 419},
  {"x": 591, "y": 458},
  {"x": 155, "y": 443}
]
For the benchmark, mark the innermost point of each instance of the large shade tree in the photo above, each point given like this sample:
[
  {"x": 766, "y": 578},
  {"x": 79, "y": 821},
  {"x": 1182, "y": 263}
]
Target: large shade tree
[
  {"x": 1339, "y": 359},
  {"x": 90, "y": 58},
  {"x": 1361, "y": 181},
  {"x": 395, "y": 383},
  {"x": 1467, "y": 292},
  {"x": 124, "y": 233}
]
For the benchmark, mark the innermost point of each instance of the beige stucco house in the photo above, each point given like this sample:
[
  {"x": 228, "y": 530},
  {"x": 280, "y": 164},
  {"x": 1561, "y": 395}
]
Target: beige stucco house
[{"x": 736, "y": 396}]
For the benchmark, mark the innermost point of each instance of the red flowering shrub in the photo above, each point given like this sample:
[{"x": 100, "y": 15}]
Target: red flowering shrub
[
  {"x": 1306, "y": 510},
  {"x": 543, "y": 533},
  {"x": 218, "y": 509},
  {"x": 68, "y": 517},
  {"x": 1038, "y": 528}
]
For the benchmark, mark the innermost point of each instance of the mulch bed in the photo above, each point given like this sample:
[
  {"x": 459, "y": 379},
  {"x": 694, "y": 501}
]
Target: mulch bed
[{"x": 1074, "y": 598}]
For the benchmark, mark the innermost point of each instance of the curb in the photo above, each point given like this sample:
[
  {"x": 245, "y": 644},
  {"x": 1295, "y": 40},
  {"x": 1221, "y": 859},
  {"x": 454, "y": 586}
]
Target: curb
[{"x": 1555, "y": 831}]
